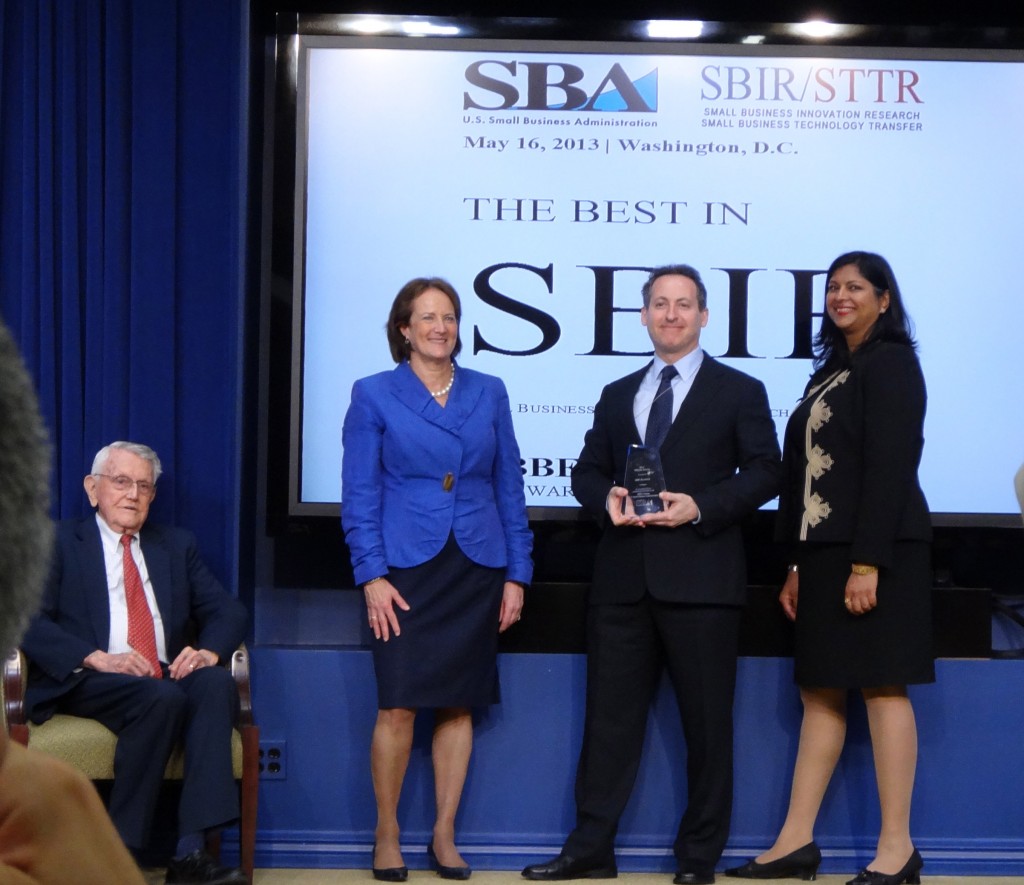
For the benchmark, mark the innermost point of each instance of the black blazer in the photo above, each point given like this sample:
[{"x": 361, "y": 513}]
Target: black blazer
[
  {"x": 722, "y": 450},
  {"x": 74, "y": 619},
  {"x": 868, "y": 432}
]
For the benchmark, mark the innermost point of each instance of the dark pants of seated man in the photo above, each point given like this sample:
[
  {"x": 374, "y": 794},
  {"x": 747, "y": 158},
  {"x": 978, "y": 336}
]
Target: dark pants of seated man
[{"x": 149, "y": 716}]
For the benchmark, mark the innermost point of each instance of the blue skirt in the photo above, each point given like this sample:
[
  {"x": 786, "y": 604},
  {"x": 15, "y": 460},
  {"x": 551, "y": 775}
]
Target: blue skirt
[{"x": 447, "y": 655}]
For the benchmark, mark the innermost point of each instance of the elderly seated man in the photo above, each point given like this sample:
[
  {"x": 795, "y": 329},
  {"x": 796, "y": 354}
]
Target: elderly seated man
[{"x": 109, "y": 643}]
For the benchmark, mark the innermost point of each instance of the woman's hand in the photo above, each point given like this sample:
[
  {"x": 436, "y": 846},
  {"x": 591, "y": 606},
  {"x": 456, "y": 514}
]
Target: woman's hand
[
  {"x": 511, "y": 605},
  {"x": 381, "y": 599},
  {"x": 788, "y": 594},
  {"x": 861, "y": 593}
]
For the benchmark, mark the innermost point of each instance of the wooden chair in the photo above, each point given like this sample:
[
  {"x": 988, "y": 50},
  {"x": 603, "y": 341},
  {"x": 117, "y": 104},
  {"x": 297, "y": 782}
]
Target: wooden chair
[{"x": 89, "y": 746}]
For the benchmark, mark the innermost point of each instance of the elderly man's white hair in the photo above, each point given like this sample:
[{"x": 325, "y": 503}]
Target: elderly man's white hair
[
  {"x": 26, "y": 532},
  {"x": 99, "y": 463}
]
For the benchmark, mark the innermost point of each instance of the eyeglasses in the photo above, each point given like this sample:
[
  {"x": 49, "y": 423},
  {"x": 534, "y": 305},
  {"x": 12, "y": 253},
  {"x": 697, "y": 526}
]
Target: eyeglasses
[{"x": 122, "y": 483}]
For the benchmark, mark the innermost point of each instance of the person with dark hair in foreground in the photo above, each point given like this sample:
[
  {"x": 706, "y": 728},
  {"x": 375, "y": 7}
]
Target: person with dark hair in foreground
[
  {"x": 53, "y": 827},
  {"x": 858, "y": 527},
  {"x": 111, "y": 642},
  {"x": 669, "y": 586}
]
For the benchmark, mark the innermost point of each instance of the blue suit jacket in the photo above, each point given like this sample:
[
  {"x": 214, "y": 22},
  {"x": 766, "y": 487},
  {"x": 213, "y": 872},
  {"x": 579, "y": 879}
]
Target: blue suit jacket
[
  {"x": 74, "y": 619},
  {"x": 399, "y": 445}
]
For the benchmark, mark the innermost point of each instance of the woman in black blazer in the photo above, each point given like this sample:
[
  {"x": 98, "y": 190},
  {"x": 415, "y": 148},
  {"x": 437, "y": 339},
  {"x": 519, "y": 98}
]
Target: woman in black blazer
[{"x": 858, "y": 525}]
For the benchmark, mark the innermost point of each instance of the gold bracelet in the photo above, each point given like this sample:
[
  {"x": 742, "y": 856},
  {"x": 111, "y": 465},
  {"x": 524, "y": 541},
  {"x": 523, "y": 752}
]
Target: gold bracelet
[
  {"x": 373, "y": 581},
  {"x": 860, "y": 569}
]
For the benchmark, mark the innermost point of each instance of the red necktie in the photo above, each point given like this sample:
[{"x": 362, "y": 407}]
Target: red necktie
[{"x": 141, "y": 635}]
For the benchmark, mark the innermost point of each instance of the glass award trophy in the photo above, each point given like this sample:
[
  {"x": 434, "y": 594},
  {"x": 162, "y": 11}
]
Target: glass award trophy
[{"x": 644, "y": 479}]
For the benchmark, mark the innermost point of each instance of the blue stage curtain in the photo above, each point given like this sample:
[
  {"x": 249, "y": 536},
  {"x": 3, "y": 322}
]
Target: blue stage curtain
[{"x": 122, "y": 156}]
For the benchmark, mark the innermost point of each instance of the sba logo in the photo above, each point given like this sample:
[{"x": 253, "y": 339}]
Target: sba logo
[{"x": 556, "y": 86}]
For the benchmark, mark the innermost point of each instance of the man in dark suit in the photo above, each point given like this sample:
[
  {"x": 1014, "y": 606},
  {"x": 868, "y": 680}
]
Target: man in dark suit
[
  {"x": 111, "y": 643},
  {"x": 668, "y": 586}
]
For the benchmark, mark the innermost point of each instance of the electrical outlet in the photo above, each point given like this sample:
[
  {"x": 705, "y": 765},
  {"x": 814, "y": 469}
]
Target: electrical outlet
[{"x": 273, "y": 759}]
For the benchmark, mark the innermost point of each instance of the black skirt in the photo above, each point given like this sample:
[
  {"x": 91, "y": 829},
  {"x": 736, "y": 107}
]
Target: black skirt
[
  {"x": 890, "y": 645},
  {"x": 447, "y": 654}
]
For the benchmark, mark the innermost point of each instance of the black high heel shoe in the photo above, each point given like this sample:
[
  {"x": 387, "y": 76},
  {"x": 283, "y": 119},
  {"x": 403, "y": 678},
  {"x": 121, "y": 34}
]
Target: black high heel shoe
[
  {"x": 802, "y": 863},
  {"x": 447, "y": 872},
  {"x": 387, "y": 874},
  {"x": 911, "y": 874}
]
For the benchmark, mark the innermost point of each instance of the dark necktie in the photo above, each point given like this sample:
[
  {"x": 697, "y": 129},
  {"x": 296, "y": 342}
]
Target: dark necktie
[
  {"x": 660, "y": 417},
  {"x": 141, "y": 633}
]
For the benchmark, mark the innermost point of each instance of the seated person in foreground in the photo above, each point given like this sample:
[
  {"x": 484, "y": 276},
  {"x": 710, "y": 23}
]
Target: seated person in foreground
[
  {"x": 109, "y": 643},
  {"x": 52, "y": 822}
]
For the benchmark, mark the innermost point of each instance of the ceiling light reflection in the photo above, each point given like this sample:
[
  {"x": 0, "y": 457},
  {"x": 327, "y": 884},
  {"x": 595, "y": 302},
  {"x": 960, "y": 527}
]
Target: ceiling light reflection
[
  {"x": 428, "y": 29},
  {"x": 670, "y": 29},
  {"x": 369, "y": 26},
  {"x": 818, "y": 29}
]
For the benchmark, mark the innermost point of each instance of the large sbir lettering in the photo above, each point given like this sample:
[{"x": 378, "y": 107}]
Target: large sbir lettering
[{"x": 605, "y": 307}]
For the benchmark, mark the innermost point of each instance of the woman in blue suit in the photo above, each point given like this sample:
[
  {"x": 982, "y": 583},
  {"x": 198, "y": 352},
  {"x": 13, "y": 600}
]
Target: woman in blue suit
[{"x": 435, "y": 518}]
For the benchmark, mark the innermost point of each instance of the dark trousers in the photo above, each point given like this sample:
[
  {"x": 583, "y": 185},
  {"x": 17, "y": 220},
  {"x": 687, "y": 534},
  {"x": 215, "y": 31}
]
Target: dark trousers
[
  {"x": 149, "y": 716},
  {"x": 628, "y": 646}
]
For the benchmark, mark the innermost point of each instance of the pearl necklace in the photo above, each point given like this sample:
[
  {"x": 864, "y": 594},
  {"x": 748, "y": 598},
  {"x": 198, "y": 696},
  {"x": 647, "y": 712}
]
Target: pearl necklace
[{"x": 444, "y": 390}]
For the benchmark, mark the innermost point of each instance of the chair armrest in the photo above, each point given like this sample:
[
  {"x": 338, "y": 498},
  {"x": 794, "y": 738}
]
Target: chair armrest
[
  {"x": 14, "y": 678},
  {"x": 240, "y": 672}
]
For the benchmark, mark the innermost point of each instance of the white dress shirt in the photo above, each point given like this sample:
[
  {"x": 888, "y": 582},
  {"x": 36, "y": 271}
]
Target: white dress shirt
[{"x": 686, "y": 366}]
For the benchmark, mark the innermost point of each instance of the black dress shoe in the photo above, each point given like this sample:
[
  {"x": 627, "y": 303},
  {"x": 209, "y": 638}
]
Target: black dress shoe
[
  {"x": 388, "y": 874},
  {"x": 198, "y": 868},
  {"x": 691, "y": 878},
  {"x": 566, "y": 867},
  {"x": 443, "y": 871},
  {"x": 802, "y": 863},
  {"x": 911, "y": 874}
]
